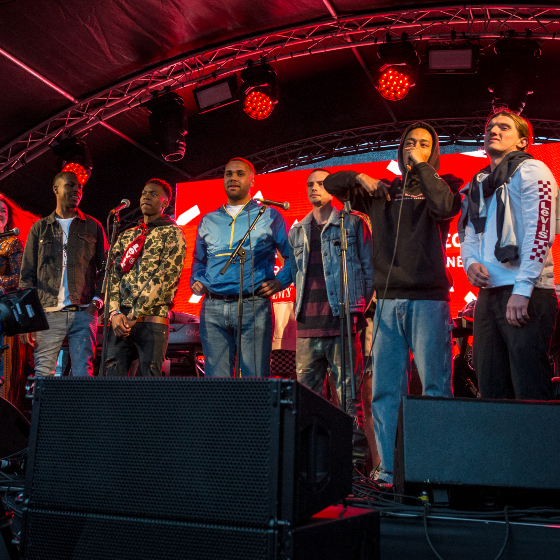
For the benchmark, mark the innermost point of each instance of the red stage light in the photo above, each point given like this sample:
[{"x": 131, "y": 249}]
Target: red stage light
[
  {"x": 394, "y": 82},
  {"x": 258, "y": 105},
  {"x": 78, "y": 170}
]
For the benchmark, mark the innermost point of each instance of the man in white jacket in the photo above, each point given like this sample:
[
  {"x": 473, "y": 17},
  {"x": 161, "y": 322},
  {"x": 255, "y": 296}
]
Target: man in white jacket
[{"x": 509, "y": 221}]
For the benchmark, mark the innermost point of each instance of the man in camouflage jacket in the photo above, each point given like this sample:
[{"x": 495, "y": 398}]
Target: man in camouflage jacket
[{"x": 140, "y": 298}]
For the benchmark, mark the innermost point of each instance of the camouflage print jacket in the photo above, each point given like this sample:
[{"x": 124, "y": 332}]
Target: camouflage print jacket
[{"x": 150, "y": 285}]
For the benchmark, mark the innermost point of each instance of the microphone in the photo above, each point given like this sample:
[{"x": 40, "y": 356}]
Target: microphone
[
  {"x": 283, "y": 205},
  {"x": 10, "y": 232},
  {"x": 125, "y": 203}
]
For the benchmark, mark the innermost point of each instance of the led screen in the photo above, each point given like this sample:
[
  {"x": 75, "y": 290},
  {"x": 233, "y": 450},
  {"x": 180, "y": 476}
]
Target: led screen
[{"x": 195, "y": 199}]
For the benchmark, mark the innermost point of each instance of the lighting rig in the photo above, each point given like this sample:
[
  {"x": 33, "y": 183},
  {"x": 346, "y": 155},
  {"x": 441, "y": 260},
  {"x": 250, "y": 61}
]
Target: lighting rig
[
  {"x": 515, "y": 72},
  {"x": 73, "y": 156},
  {"x": 259, "y": 91},
  {"x": 397, "y": 68},
  {"x": 168, "y": 124}
]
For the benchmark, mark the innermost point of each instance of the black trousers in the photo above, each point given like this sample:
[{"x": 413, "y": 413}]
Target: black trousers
[
  {"x": 147, "y": 342},
  {"x": 513, "y": 362}
]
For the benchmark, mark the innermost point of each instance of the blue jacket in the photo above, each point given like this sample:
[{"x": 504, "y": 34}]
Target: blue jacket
[
  {"x": 217, "y": 236},
  {"x": 359, "y": 260}
]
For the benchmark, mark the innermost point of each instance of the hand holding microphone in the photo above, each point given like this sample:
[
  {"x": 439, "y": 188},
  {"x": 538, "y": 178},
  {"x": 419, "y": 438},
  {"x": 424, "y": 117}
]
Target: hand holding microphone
[{"x": 412, "y": 156}]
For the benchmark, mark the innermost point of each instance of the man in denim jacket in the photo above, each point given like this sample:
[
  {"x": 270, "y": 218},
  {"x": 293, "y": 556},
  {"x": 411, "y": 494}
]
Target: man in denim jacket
[
  {"x": 315, "y": 265},
  {"x": 63, "y": 257}
]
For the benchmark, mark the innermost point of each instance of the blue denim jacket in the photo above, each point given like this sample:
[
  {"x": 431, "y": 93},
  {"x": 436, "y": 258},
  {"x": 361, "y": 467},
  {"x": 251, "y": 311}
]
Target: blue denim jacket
[
  {"x": 359, "y": 260},
  {"x": 218, "y": 235}
]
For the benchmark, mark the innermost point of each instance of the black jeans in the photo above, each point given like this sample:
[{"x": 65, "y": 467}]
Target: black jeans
[
  {"x": 513, "y": 362},
  {"x": 146, "y": 341}
]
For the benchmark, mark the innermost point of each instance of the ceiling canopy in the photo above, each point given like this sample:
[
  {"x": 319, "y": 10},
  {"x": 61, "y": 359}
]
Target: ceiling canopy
[{"x": 88, "y": 68}]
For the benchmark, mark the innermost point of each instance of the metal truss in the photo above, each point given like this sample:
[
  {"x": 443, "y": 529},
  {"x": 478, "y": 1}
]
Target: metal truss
[
  {"x": 442, "y": 24},
  {"x": 465, "y": 132}
]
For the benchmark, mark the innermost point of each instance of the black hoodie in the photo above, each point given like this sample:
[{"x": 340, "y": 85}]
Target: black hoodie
[{"x": 430, "y": 202}]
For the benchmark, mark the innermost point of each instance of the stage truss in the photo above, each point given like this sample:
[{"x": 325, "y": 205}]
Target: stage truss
[
  {"x": 465, "y": 132},
  {"x": 484, "y": 24}
]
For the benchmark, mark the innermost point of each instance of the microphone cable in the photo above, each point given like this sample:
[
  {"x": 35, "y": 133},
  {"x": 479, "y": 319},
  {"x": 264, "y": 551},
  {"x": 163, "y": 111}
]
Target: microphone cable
[
  {"x": 253, "y": 292},
  {"x": 374, "y": 336}
]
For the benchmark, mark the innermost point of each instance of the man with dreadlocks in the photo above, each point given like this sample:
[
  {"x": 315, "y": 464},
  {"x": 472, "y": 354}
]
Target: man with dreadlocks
[{"x": 507, "y": 228}]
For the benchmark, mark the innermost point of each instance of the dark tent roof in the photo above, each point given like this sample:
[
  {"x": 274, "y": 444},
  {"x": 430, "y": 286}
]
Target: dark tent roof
[{"x": 94, "y": 62}]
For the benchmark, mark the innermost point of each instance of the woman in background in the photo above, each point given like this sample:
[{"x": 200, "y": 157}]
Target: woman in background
[
  {"x": 11, "y": 248},
  {"x": 15, "y": 359}
]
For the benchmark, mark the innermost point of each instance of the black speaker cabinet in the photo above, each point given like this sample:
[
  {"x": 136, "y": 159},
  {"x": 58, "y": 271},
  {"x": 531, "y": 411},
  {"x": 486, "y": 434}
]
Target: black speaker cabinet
[
  {"x": 14, "y": 429},
  {"x": 467, "y": 443},
  {"x": 332, "y": 534},
  {"x": 243, "y": 452}
]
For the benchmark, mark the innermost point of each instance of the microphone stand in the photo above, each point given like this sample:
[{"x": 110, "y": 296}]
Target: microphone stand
[
  {"x": 105, "y": 290},
  {"x": 344, "y": 310},
  {"x": 242, "y": 254}
]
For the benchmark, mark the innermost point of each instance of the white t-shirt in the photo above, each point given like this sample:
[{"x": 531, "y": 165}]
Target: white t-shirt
[
  {"x": 234, "y": 210},
  {"x": 63, "y": 292}
]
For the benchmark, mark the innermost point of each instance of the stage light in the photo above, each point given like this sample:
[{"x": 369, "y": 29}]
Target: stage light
[
  {"x": 168, "y": 124},
  {"x": 394, "y": 83},
  {"x": 73, "y": 156},
  {"x": 259, "y": 92},
  {"x": 397, "y": 69},
  {"x": 452, "y": 59},
  {"x": 515, "y": 72},
  {"x": 217, "y": 94}
]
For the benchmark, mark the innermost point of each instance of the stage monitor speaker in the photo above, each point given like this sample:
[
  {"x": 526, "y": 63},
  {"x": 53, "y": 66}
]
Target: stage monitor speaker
[
  {"x": 466, "y": 443},
  {"x": 14, "y": 429},
  {"x": 253, "y": 452},
  {"x": 333, "y": 534}
]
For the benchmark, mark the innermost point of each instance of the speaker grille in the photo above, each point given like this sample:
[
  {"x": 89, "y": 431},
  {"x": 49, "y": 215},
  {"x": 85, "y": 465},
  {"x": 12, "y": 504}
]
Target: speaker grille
[
  {"x": 69, "y": 536},
  {"x": 110, "y": 445}
]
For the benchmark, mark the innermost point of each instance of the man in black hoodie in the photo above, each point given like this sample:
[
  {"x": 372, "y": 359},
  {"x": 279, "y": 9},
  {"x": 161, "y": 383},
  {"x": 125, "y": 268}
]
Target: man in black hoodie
[{"x": 409, "y": 235}]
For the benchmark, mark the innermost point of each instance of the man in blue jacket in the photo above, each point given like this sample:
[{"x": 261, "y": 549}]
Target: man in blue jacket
[
  {"x": 217, "y": 237},
  {"x": 315, "y": 265}
]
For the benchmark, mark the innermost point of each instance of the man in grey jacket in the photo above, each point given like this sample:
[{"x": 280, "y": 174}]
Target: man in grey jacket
[
  {"x": 315, "y": 265},
  {"x": 63, "y": 256}
]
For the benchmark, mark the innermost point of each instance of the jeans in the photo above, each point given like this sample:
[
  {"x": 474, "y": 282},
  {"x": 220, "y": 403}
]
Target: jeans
[
  {"x": 422, "y": 327},
  {"x": 81, "y": 329},
  {"x": 512, "y": 362},
  {"x": 218, "y": 334},
  {"x": 146, "y": 341},
  {"x": 314, "y": 355}
]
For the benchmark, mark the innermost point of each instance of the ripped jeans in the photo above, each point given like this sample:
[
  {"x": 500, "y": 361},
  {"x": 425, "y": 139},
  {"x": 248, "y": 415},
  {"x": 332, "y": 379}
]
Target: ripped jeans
[
  {"x": 81, "y": 329},
  {"x": 146, "y": 341}
]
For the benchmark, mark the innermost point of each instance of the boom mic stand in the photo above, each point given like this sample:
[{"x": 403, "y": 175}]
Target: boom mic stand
[
  {"x": 242, "y": 254},
  {"x": 105, "y": 290},
  {"x": 344, "y": 309}
]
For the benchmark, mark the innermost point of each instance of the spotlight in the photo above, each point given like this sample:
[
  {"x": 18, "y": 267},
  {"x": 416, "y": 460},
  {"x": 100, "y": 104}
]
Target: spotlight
[
  {"x": 259, "y": 92},
  {"x": 168, "y": 124},
  {"x": 72, "y": 155},
  {"x": 216, "y": 94},
  {"x": 397, "y": 70},
  {"x": 452, "y": 59},
  {"x": 515, "y": 73}
]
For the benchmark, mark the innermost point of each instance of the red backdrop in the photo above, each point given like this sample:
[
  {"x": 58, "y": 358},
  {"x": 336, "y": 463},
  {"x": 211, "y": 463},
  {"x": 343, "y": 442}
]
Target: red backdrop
[{"x": 195, "y": 199}]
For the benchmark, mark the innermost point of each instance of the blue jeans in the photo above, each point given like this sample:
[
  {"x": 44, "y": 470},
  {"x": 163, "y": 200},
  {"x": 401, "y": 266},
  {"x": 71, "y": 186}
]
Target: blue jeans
[
  {"x": 422, "y": 327},
  {"x": 146, "y": 341},
  {"x": 81, "y": 329},
  {"x": 218, "y": 334}
]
